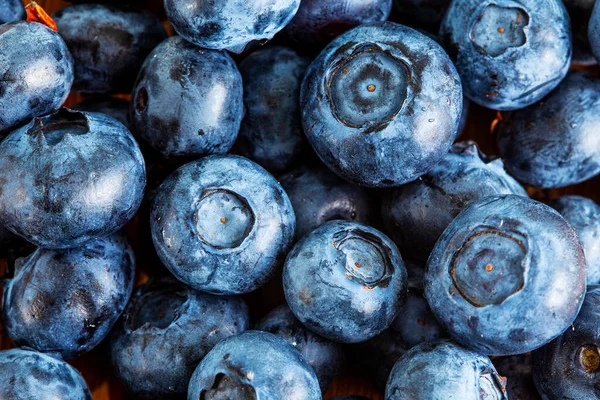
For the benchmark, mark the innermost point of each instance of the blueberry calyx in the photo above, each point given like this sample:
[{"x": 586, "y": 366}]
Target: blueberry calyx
[
  {"x": 56, "y": 127},
  {"x": 499, "y": 28}
]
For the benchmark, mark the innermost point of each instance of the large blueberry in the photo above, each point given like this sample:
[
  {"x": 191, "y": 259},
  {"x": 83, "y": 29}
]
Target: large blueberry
[
  {"x": 69, "y": 177},
  {"x": 11, "y": 11},
  {"x": 165, "y": 331},
  {"x": 28, "y": 375},
  {"x": 109, "y": 44},
  {"x": 271, "y": 132},
  {"x": 111, "y": 106},
  {"x": 507, "y": 276},
  {"x": 584, "y": 215},
  {"x": 67, "y": 301},
  {"x": 508, "y": 53},
  {"x": 36, "y": 73},
  {"x": 222, "y": 224},
  {"x": 381, "y": 104},
  {"x": 188, "y": 101},
  {"x": 254, "y": 365},
  {"x": 318, "y": 196},
  {"x": 519, "y": 376},
  {"x": 554, "y": 143},
  {"x": 317, "y": 22},
  {"x": 416, "y": 214},
  {"x": 324, "y": 356},
  {"x": 580, "y": 12},
  {"x": 345, "y": 281},
  {"x": 444, "y": 370},
  {"x": 229, "y": 24},
  {"x": 567, "y": 368}
]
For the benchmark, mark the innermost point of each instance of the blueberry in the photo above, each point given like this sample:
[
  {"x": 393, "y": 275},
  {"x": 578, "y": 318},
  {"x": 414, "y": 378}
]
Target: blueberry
[
  {"x": 584, "y": 215},
  {"x": 381, "y": 104},
  {"x": 317, "y": 22},
  {"x": 271, "y": 132},
  {"x": 66, "y": 301},
  {"x": 345, "y": 281},
  {"x": 444, "y": 370},
  {"x": 509, "y": 54},
  {"x": 222, "y": 224},
  {"x": 519, "y": 377},
  {"x": 553, "y": 143},
  {"x": 507, "y": 276},
  {"x": 28, "y": 375},
  {"x": 253, "y": 365},
  {"x": 567, "y": 368},
  {"x": 580, "y": 12},
  {"x": 424, "y": 13},
  {"x": 74, "y": 176},
  {"x": 318, "y": 196},
  {"x": 324, "y": 356},
  {"x": 229, "y": 24},
  {"x": 111, "y": 106},
  {"x": 108, "y": 43},
  {"x": 36, "y": 73},
  {"x": 165, "y": 331},
  {"x": 11, "y": 11},
  {"x": 416, "y": 214},
  {"x": 188, "y": 101}
]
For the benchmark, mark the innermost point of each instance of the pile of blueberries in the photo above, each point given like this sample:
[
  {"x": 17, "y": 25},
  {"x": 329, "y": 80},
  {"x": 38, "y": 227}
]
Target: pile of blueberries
[{"x": 263, "y": 152}]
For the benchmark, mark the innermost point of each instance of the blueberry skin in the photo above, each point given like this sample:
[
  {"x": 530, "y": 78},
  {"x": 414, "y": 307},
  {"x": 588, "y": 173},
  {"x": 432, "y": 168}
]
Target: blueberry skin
[
  {"x": 229, "y": 24},
  {"x": 444, "y": 370},
  {"x": 271, "y": 131},
  {"x": 254, "y": 365},
  {"x": 532, "y": 141},
  {"x": 580, "y": 12},
  {"x": 109, "y": 44},
  {"x": 317, "y": 22},
  {"x": 318, "y": 196},
  {"x": 509, "y": 54},
  {"x": 67, "y": 301},
  {"x": 584, "y": 215},
  {"x": 165, "y": 331},
  {"x": 415, "y": 215},
  {"x": 207, "y": 88},
  {"x": 507, "y": 276},
  {"x": 567, "y": 368},
  {"x": 519, "y": 376},
  {"x": 111, "y": 106},
  {"x": 36, "y": 73},
  {"x": 77, "y": 175},
  {"x": 345, "y": 281},
  {"x": 29, "y": 375},
  {"x": 324, "y": 356},
  {"x": 390, "y": 114},
  {"x": 222, "y": 224},
  {"x": 11, "y": 11}
]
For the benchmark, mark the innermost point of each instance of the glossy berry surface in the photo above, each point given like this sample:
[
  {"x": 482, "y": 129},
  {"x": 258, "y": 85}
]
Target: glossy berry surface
[
  {"x": 345, "y": 281},
  {"x": 444, "y": 370},
  {"x": 509, "y": 54},
  {"x": 222, "y": 224},
  {"x": 381, "y": 104},
  {"x": 568, "y": 366},
  {"x": 584, "y": 215},
  {"x": 229, "y": 24},
  {"x": 317, "y": 22},
  {"x": 67, "y": 301},
  {"x": 318, "y": 196},
  {"x": 518, "y": 371},
  {"x": 48, "y": 76},
  {"x": 28, "y": 375},
  {"x": 324, "y": 356},
  {"x": 111, "y": 106},
  {"x": 580, "y": 12},
  {"x": 11, "y": 11},
  {"x": 254, "y": 365},
  {"x": 207, "y": 88},
  {"x": 108, "y": 43},
  {"x": 77, "y": 176},
  {"x": 532, "y": 141},
  {"x": 165, "y": 331},
  {"x": 507, "y": 276},
  {"x": 271, "y": 131},
  {"x": 416, "y": 214}
]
